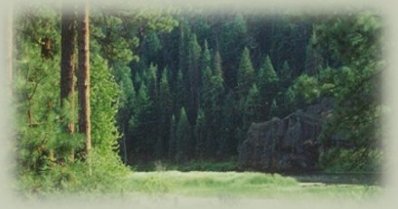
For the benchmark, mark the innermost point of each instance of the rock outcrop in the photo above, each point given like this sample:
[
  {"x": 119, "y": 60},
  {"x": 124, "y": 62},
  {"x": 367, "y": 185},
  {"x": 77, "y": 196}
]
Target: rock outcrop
[{"x": 288, "y": 144}]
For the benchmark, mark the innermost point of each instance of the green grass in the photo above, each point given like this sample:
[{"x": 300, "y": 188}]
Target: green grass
[
  {"x": 245, "y": 184},
  {"x": 194, "y": 165}
]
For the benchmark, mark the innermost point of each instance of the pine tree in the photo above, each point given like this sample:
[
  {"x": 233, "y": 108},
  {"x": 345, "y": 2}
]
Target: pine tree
[
  {"x": 217, "y": 65},
  {"x": 233, "y": 40},
  {"x": 285, "y": 75},
  {"x": 200, "y": 135},
  {"x": 230, "y": 123},
  {"x": 165, "y": 105},
  {"x": 179, "y": 94},
  {"x": 245, "y": 74},
  {"x": 151, "y": 47},
  {"x": 145, "y": 121},
  {"x": 184, "y": 143},
  {"x": 313, "y": 57},
  {"x": 267, "y": 82},
  {"x": 251, "y": 108},
  {"x": 274, "y": 109},
  {"x": 172, "y": 148},
  {"x": 205, "y": 59},
  {"x": 206, "y": 75},
  {"x": 245, "y": 78},
  {"x": 35, "y": 95},
  {"x": 194, "y": 53},
  {"x": 151, "y": 82},
  {"x": 217, "y": 96}
]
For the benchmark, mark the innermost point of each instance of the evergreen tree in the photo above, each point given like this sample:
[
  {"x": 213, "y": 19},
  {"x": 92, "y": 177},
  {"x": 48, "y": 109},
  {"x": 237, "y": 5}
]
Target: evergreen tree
[
  {"x": 233, "y": 40},
  {"x": 313, "y": 57},
  {"x": 267, "y": 82},
  {"x": 142, "y": 126},
  {"x": 287, "y": 102},
  {"x": 205, "y": 63},
  {"x": 274, "y": 109},
  {"x": 217, "y": 65},
  {"x": 217, "y": 96},
  {"x": 127, "y": 108},
  {"x": 151, "y": 47},
  {"x": 201, "y": 135},
  {"x": 172, "y": 148},
  {"x": 354, "y": 83},
  {"x": 194, "y": 53},
  {"x": 230, "y": 123},
  {"x": 245, "y": 74},
  {"x": 179, "y": 94},
  {"x": 206, "y": 76},
  {"x": 251, "y": 108},
  {"x": 205, "y": 57},
  {"x": 151, "y": 82},
  {"x": 286, "y": 75},
  {"x": 36, "y": 96},
  {"x": 184, "y": 143},
  {"x": 165, "y": 105}
]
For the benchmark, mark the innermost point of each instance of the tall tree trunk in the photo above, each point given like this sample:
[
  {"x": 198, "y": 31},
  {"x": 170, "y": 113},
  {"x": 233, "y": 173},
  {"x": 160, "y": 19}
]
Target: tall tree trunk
[
  {"x": 68, "y": 43},
  {"x": 84, "y": 76}
]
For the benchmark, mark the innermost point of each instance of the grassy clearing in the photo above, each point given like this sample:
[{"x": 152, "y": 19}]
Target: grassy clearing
[{"x": 246, "y": 184}]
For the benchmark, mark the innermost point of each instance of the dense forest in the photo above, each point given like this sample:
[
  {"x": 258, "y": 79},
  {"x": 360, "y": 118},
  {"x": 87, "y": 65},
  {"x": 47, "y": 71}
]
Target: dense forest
[
  {"x": 101, "y": 90},
  {"x": 196, "y": 90}
]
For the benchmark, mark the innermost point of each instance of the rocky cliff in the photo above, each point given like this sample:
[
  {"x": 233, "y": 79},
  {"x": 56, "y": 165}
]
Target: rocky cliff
[{"x": 287, "y": 144}]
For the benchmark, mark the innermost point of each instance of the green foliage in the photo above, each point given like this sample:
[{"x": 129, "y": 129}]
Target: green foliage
[
  {"x": 340, "y": 160},
  {"x": 173, "y": 139},
  {"x": 151, "y": 46},
  {"x": 154, "y": 20},
  {"x": 184, "y": 143},
  {"x": 357, "y": 42},
  {"x": 285, "y": 73},
  {"x": 217, "y": 66},
  {"x": 354, "y": 84},
  {"x": 38, "y": 113},
  {"x": 104, "y": 94},
  {"x": 245, "y": 73},
  {"x": 179, "y": 95},
  {"x": 267, "y": 82},
  {"x": 107, "y": 175},
  {"x": 193, "y": 77},
  {"x": 205, "y": 58},
  {"x": 229, "y": 123},
  {"x": 166, "y": 108},
  {"x": 201, "y": 135},
  {"x": 41, "y": 120},
  {"x": 150, "y": 80},
  {"x": 252, "y": 107},
  {"x": 114, "y": 42},
  {"x": 267, "y": 74},
  {"x": 313, "y": 59},
  {"x": 307, "y": 87}
]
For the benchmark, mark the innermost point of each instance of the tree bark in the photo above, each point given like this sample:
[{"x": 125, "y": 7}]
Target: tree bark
[
  {"x": 84, "y": 76},
  {"x": 68, "y": 43}
]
